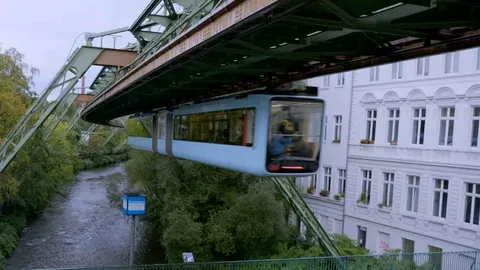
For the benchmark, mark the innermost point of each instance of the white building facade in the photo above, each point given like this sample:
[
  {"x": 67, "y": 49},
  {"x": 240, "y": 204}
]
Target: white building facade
[
  {"x": 413, "y": 155},
  {"x": 324, "y": 192}
]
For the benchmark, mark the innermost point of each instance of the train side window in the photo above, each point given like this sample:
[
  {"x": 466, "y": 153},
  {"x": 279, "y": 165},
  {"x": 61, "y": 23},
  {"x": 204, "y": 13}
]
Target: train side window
[
  {"x": 162, "y": 126},
  {"x": 233, "y": 127},
  {"x": 140, "y": 127},
  {"x": 294, "y": 135}
]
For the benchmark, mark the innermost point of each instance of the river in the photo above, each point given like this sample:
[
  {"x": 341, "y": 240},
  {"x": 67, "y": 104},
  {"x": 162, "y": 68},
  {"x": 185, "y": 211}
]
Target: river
[{"x": 82, "y": 229}]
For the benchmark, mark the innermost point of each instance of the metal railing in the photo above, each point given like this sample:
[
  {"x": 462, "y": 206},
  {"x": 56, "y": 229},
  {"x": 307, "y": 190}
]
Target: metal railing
[{"x": 468, "y": 260}]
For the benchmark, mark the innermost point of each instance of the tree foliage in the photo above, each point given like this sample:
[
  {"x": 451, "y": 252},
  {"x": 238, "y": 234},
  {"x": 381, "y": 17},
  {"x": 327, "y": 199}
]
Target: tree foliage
[
  {"x": 217, "y": 214},
  {"x": 39, "y": 171}
]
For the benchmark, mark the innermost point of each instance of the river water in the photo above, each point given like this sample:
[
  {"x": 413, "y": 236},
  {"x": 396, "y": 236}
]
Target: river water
[{"x": 80, "y": 230}]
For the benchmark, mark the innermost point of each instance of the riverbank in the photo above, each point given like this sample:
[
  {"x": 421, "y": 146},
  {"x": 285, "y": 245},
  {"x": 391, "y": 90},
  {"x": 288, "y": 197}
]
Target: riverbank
[{"x": 81, "y": 229}]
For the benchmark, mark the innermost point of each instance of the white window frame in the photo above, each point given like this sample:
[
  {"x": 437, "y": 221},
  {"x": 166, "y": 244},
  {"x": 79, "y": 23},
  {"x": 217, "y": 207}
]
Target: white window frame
[
  {"x": 449, "y": 120},
  {"x": 342, "y": 180},
  {"x": 341, "y": 79},
  {"x": 366, "y": 184},
  {"x": 371, "y": 124},
  {"x": 475, "y": 118},
  {"x": 393, "y": 125},
  {"x": 388, "y": 189},
  {"x": 326, "y": 81},
  {"x": 413, "y": 193},
  {"x": 423, "y": 66},
  {"x": 478, "y": 58},
  {"x": 374, "y": 73},
  {"x": 474, "y": 194},
  {"x": 325, "y": 127},
  {"x": 422, "y": 117},
  {"x": 337, "y": 135},
  {"x": 397, "y": 70},
  {"x": 441, "y": 191},
  {"x": 452, "y": 62},
  {"x": 327, "y": 178}
]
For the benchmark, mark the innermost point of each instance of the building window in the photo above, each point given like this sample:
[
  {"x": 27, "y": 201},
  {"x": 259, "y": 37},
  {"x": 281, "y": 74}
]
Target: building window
[
  {"x": 408, "y": 246},
  {"x": 326, "y": 81},
  {"x": 341, "y": 79},
  {"x": 393, "y": 122},
  {"x": 440, "y": 198},
  {"x": 418, "y": 130},
  {"x": 327, "y": 178},
  {"x": 475, "y": 126},
  {"x": 413, "y": 191},
  {"x": 337, "y": 136},
  {"x": 312, "y": 184},
  {"x": 435, "y": 259},
  {"x": 362, "y": 236},
  {"x": 342, "y": 179},
  {"x": 397, "y": 70},
  {"x": 312, "y": 181},
  {"x": 447, "y": 118},
  {"x": 452, "y": 61},
  {"x": 472, "y": 203},
  {"x": 371, "y": 124},
  {"x": 387, "y": 199},
  {"x": 423, "y": 66},
  {"x": 366, "y": 186},
  {"x": 374, "y": 73}
]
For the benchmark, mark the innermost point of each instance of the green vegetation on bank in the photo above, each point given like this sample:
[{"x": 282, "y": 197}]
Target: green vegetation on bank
[
  {"x": 42, "y": 167},
  {"x": 219, "y": 215}
]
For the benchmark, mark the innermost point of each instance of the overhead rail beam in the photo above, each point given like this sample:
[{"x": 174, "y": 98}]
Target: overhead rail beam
[{"x": 295, "y": 39}]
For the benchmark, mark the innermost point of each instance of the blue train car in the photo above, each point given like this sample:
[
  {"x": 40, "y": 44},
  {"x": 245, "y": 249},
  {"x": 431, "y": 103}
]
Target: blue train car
[{"x": 263, "y": 135}]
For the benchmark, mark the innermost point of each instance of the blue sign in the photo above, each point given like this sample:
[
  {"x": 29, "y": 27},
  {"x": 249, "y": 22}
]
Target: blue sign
[
  {"x": 134, "y": 204},
  {"x": 188, "y": 257}
]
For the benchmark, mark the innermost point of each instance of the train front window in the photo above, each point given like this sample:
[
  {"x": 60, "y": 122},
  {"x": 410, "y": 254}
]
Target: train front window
[{"x": 294, "y": 135}]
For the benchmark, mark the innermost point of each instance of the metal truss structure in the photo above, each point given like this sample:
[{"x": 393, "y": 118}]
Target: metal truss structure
[
  {"x": 49, "y": 113},
  {"x": 77, "y": 64},
  {"x": 290, "y": 192}
]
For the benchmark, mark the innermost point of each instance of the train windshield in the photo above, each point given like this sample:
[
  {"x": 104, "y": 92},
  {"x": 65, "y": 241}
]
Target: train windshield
[{"x": 294, "y": 135}]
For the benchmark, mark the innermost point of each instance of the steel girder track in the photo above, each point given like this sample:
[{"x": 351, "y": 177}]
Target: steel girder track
[
  {"x": 290, "y": 192},
  {"x": 70, "y": 73}
]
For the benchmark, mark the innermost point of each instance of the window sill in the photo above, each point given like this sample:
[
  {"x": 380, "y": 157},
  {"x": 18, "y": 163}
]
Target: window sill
[
  {"x": 468, "y": 227},
  {"x": 385, "y": 209},
  {"x": 362, "y": 205},
  {"x": 336, "y": 142},
  {"x": 414, "y": 215},
  {"x": 325, "y": 199}
]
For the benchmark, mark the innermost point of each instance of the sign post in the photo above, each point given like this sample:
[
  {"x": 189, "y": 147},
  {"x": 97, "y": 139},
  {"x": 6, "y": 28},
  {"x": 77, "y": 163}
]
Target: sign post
[{"x": 133, "y": 205}]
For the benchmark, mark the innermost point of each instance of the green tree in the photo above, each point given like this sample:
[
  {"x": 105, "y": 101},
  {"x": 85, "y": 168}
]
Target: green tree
[
  {"x": 217, "y": 214},
  {"x": 41, "y": 168}
]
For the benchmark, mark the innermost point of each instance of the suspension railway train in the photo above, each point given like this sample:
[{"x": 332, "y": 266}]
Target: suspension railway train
[{"x": 264, "y": 135}]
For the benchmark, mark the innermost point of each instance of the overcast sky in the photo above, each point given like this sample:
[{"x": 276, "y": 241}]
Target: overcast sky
[{"x": 46, "y": 30}]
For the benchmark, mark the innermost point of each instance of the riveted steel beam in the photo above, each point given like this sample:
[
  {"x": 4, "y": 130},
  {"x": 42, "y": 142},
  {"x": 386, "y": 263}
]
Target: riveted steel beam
[
  {"x": 291, "y": 194},
  {"x": 78, "y": 62}
]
